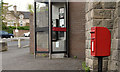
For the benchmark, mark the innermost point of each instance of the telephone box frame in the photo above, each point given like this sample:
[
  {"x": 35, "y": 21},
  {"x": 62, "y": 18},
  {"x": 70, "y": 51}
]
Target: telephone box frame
[{"x": 50, "y": 51}]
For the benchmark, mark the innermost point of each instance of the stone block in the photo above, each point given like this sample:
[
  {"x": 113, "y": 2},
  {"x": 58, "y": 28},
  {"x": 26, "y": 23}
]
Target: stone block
[
  {"x": 87, "y": 60},
  {"x": 94, "y": 5},
  {"x": 105, "y": 65},
  {"x": 118, "y": 44},
  {"x": 105, "y": 58},
  {"x": 101, "y": 14},
  {"x": 119, "y": 56},
  {"x": 97, "y": 5},
  {"x": 114, "y": 33},
  {"x": 94, "y": 58},
  {"x": 89, "y": 63},
  {"x": 117, "y": 11},
  {"x": 89, "y": 24},
  {"x": 109, "y": 5},
  {"x": 113, "y": 16},
  {"x": 118, "y": 3},
  {"x": 108, "y": 23},
  {"x": 116, "y": 23},
  {"x": 88, "y": 16},
  {"x": 95, "y": 65},
  {"x": 113, "y": 65},
  {"x": 88, "y": 53},
  {"x": 119, "y": 33},
  {"x": 86, "y": 26},
  {"x": 115, "y": 55},
  {"x": 114, "y": 44},
  {"x": 90, "y": 6},
  {"x": 88, "y": 35},
  {"x": 97, "y": 22},
  {"x": 88, "y": 45},
  {"x": 3, "y": 46},
  {"x": 86, "y": 7},
  {"x": 119, "y": 66}
]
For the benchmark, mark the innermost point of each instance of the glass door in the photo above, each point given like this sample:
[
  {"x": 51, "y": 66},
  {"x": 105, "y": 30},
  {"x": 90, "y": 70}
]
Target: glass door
[
  {"x": 59, "y": 27},
  {"x": 41, "y": 27}
]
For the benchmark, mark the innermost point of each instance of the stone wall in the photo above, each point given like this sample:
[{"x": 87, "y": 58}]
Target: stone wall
[
  {"x": 98, "y": 14},
  {"x": 3, "y": 46},
  {"x": 20, "y": 33},
  {"x": 114, "y": 62}
]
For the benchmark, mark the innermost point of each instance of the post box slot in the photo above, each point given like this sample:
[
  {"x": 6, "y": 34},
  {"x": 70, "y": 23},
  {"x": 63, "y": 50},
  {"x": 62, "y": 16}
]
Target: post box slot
[
  {"x": 92, "y": 45},
  {"x": 92, "y": 32}
]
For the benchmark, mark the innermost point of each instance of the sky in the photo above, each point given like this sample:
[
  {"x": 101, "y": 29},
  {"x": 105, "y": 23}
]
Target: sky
[{"x": 21, "y": 4}]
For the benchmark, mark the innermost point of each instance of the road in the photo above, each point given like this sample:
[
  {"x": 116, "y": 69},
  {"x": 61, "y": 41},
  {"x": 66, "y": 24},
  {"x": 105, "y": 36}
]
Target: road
[
  {"x": 15, "y": 38},
  {"x": 14, "y": 41}
]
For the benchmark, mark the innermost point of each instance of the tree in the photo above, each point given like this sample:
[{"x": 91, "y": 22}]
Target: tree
[
  {"x": 4, "y": 10},
  {"x": 31, "y": 8}
]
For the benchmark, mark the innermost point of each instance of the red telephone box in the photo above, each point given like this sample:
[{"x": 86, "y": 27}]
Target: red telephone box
[{"x": 100, "y": 41}]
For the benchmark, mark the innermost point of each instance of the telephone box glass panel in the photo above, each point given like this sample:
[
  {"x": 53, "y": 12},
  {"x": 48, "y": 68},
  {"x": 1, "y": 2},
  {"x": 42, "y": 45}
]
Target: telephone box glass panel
[
  {"x": 59, "y": 27},
  {"x": 42, "y": 27}
]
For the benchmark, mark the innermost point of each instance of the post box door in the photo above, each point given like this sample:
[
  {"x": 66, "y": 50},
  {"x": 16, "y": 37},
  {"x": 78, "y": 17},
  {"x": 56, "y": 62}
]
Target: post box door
[{"x": 100, "y": 41}]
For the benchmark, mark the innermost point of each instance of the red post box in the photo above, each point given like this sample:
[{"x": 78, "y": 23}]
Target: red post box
[{"x": 100, "y": 41}]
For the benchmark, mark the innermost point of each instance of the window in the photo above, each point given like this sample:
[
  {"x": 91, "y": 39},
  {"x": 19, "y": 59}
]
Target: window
[
  {"x": 21, "y": 16},
  {"x": 8, "y": 23},
  {"x": 21, "y": 24},
  {"x": 12, "y": 24}
]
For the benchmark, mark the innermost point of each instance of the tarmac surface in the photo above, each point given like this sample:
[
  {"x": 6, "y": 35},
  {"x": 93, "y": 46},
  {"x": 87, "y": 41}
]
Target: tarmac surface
[{"x": 21, "y": 59}]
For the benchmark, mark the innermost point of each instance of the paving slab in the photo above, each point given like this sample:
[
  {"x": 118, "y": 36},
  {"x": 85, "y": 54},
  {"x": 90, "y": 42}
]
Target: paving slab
[{"x": 20, "y": 59}]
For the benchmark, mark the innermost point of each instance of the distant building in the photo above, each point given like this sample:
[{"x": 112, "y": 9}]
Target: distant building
[{"x": 19, "y": 18}]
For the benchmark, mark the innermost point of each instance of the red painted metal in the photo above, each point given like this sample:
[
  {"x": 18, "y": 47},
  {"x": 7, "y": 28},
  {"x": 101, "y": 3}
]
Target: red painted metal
[
  {"x": 100, "y": 41},
  {"x": 58, "y": 29}
]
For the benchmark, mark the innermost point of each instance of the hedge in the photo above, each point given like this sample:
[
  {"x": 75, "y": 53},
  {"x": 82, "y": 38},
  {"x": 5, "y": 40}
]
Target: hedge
[
  {"x": 9, "y": 29},
  {"x": 20, "y": 28}
]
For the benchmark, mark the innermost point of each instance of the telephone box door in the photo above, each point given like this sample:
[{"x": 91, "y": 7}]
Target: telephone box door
[{"x": 59, "y": 27}]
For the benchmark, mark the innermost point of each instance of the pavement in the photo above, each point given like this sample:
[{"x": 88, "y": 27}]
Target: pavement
[
  {"x": 15, "y": 38},
  {"x": 21, "y": 59}
]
